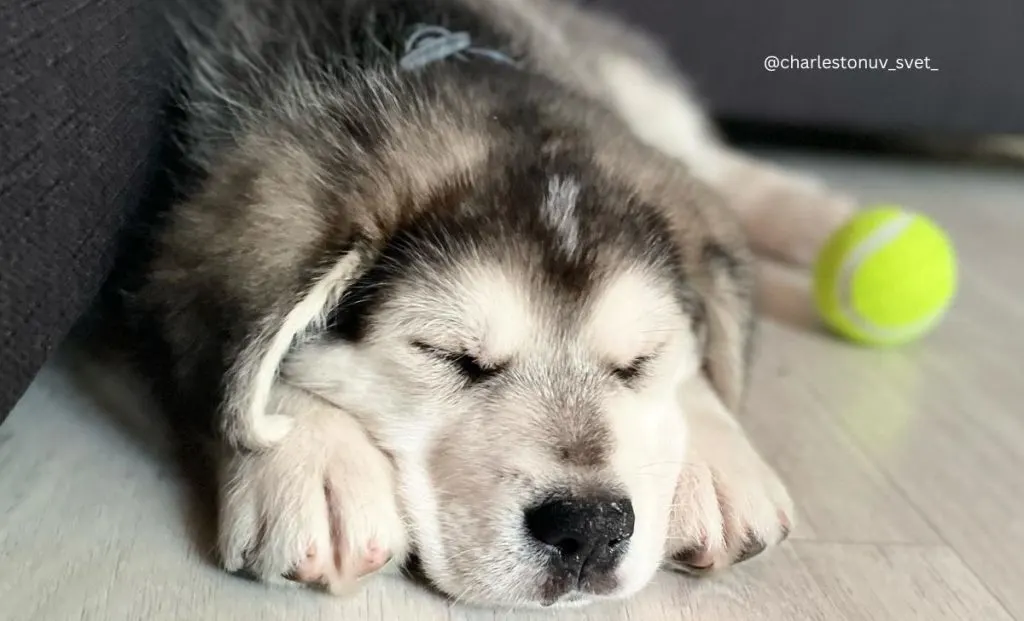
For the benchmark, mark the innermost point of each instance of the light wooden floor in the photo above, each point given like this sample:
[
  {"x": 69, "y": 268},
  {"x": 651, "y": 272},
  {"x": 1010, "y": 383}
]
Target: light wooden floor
[{"x": 907, "y": 466}]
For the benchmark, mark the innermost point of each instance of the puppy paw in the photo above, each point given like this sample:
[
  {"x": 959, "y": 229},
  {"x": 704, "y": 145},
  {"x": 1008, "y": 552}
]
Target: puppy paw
[
  {"x": 727, "y": 509},
  {"x": 319, "y": 508}
]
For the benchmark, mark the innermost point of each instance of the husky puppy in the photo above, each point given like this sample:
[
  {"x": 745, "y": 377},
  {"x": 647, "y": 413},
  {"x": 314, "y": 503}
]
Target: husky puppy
[{"x": 467, "y": 281}]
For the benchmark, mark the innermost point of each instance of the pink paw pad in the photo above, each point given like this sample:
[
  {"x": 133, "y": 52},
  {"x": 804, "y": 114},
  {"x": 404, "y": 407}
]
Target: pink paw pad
[
  {"x": 375, "y": 558},
  {"x": 309, "y": 569}
]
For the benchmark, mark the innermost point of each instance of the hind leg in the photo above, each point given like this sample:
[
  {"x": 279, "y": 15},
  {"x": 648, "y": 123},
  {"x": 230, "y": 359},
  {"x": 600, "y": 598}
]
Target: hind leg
[{"x": 787, "y": 215}]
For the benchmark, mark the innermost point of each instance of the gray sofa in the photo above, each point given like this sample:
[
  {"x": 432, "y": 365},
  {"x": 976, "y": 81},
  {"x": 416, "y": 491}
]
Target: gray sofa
[{"x": 83, "y": 84}]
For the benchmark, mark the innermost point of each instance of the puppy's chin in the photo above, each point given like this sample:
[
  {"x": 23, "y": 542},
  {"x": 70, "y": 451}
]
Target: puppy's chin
[{"x": 534, "y": 596}]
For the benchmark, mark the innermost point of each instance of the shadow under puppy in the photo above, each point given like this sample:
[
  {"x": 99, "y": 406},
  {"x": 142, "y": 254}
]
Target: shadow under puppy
[{"x": 466, "y": 278}]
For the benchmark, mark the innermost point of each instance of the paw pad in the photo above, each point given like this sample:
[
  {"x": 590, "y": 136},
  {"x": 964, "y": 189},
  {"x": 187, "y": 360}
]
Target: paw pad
[{"x": 697, "y": 560}]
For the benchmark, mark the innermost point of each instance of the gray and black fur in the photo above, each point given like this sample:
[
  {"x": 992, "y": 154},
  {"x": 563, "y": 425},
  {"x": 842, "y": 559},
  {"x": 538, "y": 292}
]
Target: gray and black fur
[{"x": 306, "y": 144}]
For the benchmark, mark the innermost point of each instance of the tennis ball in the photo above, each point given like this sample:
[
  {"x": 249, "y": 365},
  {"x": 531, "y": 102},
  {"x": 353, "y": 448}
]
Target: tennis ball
[{"x": 886, "y": 277}]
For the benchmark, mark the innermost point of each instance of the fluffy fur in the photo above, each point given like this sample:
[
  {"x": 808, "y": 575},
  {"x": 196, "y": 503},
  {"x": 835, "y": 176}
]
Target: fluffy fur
[{"x": 411, "y": 306}]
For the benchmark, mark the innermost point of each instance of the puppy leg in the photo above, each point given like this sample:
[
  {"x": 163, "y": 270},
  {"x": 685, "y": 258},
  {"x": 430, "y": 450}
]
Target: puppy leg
[
  {"x": 786, "y": 215},
  {"x": 729, "y": 505},
  {"x": 318, "y": 508}
]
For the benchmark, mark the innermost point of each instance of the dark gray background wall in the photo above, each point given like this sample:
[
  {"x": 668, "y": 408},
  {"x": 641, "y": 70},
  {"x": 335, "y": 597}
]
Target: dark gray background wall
[{"x": 978, "y": 46}]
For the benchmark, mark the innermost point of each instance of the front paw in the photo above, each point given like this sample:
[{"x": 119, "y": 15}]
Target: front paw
[
  {"x": 727, "y": 509},
  {"x": 318, "y": 509}
]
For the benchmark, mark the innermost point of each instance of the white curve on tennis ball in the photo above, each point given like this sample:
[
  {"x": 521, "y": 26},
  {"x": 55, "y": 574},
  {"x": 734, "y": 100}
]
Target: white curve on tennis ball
[{"x": 885, "y": 234}]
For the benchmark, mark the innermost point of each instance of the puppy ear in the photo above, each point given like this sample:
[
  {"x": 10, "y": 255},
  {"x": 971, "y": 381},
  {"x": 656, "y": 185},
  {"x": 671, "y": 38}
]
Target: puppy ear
[
  {"x": 727, "y": 290},
  {"x": 718, "y": 265},
  {"x": 246, "y": 420}
]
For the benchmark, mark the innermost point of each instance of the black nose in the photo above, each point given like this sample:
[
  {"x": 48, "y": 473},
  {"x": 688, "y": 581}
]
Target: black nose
[{"x": 583, "y": 530}]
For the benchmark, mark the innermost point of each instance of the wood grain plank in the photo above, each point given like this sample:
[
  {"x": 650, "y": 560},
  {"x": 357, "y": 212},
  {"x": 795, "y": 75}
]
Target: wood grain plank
[
  {"x": 840, "y": 493},
  {"x": 943, "y": 417},
  {"x": 899, "y": 583}
]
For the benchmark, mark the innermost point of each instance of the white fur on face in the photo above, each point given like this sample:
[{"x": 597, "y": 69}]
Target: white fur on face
[
  {"x": 472, "y": 458},
  {"x": 634, "y": 316},
  {"x": 490, "y": 319}
]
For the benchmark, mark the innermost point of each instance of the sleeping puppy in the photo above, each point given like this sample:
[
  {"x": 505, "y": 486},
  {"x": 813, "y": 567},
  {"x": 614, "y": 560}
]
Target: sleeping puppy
[{"x": 467, "y": 281}]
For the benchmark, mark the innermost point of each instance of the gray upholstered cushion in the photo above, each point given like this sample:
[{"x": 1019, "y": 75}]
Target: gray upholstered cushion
[{"x": 82, "y": 84}]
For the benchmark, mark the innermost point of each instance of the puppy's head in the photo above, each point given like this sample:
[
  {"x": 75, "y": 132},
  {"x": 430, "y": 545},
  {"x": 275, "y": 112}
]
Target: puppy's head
[{"x": 517, "y": 348}]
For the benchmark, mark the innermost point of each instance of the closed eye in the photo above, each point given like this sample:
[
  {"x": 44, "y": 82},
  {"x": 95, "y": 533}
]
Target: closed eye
[
  {"x": 469, "y": 366},
  {"x": 629, "y": 373}
]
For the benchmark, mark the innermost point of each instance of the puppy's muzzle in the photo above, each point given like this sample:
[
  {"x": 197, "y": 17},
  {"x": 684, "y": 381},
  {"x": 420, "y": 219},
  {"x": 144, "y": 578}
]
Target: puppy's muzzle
[{"x": 586, "y": 537}]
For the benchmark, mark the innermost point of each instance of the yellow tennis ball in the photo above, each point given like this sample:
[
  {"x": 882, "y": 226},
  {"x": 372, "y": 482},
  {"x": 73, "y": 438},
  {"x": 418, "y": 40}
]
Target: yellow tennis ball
[{"x": 886, "y": 277}]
